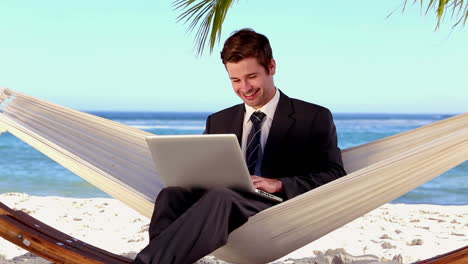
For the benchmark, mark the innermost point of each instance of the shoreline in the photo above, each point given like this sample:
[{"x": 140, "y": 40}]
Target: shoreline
[{"x": 401, "y": 232}]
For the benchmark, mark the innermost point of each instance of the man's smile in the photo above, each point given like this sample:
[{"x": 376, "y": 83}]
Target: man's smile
[{"x": 251, "y": 95}]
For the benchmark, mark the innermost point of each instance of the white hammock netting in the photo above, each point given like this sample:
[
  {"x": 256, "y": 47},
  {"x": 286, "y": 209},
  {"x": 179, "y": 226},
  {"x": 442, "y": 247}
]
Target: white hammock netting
[{"x": 115, "y": 158}]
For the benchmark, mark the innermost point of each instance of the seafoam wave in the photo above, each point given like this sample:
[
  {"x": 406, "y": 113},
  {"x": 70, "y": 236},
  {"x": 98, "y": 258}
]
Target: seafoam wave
[
  {"x": 387, "y": 122},
  {"x": 150, "y": 127},
  {"x": 152, "y": 124},
  {"x": 390, "y": 123}
]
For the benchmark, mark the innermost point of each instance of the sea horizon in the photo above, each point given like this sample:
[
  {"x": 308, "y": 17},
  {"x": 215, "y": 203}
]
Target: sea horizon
[
  {"x": 217, "y": 110},
  {"x": 23, "y": 169}
]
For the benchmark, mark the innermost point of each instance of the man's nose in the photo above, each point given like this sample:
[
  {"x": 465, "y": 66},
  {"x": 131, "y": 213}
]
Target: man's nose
[{"x": 246, "y": 86}]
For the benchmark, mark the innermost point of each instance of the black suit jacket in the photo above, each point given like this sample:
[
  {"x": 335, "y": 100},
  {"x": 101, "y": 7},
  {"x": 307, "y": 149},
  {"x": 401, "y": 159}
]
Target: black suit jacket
[{"x": 301, "y": 149}]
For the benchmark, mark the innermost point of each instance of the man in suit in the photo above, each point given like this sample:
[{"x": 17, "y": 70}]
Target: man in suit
[{"x": 290, "y": 148}]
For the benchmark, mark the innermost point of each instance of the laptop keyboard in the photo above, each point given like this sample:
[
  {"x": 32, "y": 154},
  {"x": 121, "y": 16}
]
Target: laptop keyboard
[{"x": 274, "y": 197}]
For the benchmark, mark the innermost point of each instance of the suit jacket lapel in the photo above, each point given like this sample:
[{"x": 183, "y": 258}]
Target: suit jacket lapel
[
  {"x": 282, "y": 122},
  {"x": 237, "y": 123}
]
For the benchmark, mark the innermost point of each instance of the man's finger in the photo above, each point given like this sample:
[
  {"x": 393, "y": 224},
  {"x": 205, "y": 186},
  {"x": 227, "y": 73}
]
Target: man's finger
[
  {"x": 258, "y": 185},
  {"x": 256, "y": 179}
]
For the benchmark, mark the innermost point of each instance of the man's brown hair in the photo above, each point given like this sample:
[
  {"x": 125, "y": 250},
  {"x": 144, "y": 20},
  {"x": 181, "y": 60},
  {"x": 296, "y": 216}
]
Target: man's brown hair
[{"x": 246, "y": 43}]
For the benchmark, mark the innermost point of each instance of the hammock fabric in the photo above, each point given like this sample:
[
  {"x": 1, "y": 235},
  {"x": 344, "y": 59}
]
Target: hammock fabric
[{"x": 115, "y": 158}]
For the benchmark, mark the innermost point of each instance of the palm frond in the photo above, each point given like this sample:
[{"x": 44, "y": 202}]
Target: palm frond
[
  {"x": 459, "y": 10},
  {"x": 207, "y": 15}
]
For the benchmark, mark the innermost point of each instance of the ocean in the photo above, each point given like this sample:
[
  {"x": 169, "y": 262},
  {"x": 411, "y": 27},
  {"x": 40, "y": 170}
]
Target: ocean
[{"x": 23, "y": 169}]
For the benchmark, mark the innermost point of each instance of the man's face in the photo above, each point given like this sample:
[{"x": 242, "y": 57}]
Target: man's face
[{"x": 251, "y": 82}]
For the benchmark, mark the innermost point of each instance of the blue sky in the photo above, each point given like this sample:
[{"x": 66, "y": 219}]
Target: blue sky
[{"x": 132, "y": 55}]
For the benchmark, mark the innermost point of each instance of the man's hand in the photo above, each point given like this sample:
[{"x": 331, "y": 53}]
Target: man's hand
[{"x": 267, "y": 185}]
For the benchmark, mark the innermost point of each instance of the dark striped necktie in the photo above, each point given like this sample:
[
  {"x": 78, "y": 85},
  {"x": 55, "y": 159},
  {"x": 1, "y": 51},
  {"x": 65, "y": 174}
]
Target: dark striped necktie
[{"x": 253, "y": 153}]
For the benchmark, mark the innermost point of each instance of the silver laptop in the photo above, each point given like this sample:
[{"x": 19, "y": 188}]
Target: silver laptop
[{"x": 204, "y": 161}]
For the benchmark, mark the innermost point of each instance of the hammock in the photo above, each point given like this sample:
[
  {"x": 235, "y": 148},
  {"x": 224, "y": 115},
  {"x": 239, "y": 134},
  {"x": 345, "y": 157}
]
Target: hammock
[{"x": 115, "y": 158}]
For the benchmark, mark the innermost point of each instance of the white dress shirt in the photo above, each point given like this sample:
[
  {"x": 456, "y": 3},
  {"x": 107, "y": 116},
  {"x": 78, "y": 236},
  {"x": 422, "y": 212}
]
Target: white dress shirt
[{"x": 269, "y": 110}]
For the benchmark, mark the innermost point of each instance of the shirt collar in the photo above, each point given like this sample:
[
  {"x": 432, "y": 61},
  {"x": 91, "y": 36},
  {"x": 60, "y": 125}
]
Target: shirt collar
[{"x": 269, "y": 108}]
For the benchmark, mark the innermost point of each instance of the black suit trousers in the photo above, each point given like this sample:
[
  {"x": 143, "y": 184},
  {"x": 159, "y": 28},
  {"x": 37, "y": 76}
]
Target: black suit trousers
[{"x": 188, "y": 224}]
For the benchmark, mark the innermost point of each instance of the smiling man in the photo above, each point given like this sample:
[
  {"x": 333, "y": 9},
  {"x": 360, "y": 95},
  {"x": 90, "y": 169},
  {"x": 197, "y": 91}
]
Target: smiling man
[
  {"x": 290, "y": 147},
  {"x": 253, "y": 82}
]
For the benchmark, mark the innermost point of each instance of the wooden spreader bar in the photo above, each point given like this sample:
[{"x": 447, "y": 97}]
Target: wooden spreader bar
[
  {"x": 459, "y": 256},
  {"x": 49, "y": 243}
]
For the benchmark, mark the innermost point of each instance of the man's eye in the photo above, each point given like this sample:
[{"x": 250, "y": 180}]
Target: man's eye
[
  {"x": 235, "y": 81},
  {"x": 252, "y": 76}
]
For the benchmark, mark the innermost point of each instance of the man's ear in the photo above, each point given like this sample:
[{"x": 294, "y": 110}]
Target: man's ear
[{"x": 272, "y": 67}]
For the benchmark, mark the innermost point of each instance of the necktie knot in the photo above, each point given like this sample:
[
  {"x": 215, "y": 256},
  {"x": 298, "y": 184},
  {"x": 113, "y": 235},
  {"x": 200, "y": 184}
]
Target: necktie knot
[{"x": 257, "y": 118}]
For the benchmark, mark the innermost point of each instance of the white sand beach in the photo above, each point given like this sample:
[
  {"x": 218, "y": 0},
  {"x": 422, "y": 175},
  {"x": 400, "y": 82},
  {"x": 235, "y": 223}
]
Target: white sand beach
[{"x": 399, "y": 232}]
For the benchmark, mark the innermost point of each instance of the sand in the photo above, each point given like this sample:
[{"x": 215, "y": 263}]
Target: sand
[{"x": 392, "y": 233}]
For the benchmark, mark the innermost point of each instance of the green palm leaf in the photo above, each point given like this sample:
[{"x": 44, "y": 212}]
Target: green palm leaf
[
  {"x": 459, "y": 10},
  {"x": 208, "y": 15}
]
